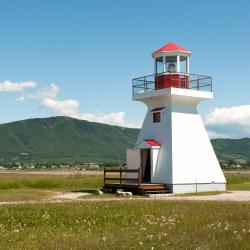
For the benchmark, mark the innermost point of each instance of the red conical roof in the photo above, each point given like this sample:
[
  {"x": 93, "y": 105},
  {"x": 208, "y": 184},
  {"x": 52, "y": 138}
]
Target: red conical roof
[{"x": 171, "y": 47}]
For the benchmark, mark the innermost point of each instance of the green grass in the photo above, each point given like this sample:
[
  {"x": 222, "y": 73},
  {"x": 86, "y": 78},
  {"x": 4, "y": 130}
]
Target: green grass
[
  {"x": 15, "y": 181},
  {"x": 30, "y": 187},
  {"x": 94, "y": 196},
  {"x": 238, "y": 180},
  {"x": 126, "y": 225},
  {"x": 20, "y": 194},
  {"x": 238, "y": 187},
  {"x": 200, "y": 193},
  {"x": 24, "y": 186}
]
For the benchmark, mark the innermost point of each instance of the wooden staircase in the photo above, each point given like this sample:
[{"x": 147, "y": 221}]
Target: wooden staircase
[
  {"x": 154, "y": 188},
  {"x": 116, "y": 179}
]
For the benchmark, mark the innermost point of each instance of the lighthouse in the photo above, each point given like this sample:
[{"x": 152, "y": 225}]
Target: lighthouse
[{"x": 173, "y": 147}]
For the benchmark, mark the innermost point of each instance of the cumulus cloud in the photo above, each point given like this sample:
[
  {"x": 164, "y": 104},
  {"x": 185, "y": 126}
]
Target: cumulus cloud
[
  {"x": 114, "y": 118},
  {"x": 8, "y": 86},
  {"x": 50, "y": 91},
  {"x": 66, "y": 107},
  {"x": 232, "y": 122},
  {"x": 48, "y": 98}
]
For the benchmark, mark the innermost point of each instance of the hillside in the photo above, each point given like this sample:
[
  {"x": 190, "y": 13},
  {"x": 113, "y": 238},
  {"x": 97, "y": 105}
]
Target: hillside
[
  {"x": 64, "y": 138},
  {"x": 232, "y": 148}
]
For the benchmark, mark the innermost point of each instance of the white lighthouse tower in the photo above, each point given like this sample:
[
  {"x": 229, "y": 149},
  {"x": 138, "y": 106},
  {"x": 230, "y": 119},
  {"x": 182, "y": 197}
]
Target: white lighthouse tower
[{"x": 173, "y": 147}]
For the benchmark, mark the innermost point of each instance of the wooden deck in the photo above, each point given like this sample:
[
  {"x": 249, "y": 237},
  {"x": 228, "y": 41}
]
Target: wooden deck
[{"x": 118, "y": 179}]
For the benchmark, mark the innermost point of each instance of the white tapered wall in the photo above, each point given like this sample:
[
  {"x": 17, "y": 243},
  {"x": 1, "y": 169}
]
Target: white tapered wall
[
  {"x": 161, "y": 133},
  {"x": 186, "y": 160},
  {"x": 194, "y": 160}
]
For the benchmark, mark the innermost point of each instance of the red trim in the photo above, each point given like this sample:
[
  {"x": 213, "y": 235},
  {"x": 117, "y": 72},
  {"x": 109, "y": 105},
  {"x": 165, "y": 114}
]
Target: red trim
[
  {"x": 172, "y": 80},
  {"x": 152, "y": 143},
  {"x": 171, "y": 47}
]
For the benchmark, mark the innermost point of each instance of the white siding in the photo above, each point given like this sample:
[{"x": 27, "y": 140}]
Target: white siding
[
  {"x": 160, "y": 132},
  {"x": 133, "y": 161},
  {"x": 133, "y": 158},
  {"x": 194, "y": 160},
  {"x": 186, "y": 155}
]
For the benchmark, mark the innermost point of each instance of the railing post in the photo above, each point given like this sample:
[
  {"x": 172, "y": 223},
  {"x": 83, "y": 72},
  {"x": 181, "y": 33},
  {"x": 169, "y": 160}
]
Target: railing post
[
  {"x": 120, "y": 177},
  {"x": 104, "y": 177},
  {"x": 144, "y": 83},
  {"x": 198, "y": 83},
  {"x": 139, "y": 177}
]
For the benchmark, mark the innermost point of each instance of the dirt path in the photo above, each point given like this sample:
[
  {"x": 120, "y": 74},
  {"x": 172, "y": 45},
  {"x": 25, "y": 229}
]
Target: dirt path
[
  {"x": 237, "y": 196},
  {"x": 229, "y": 196},
  {"x": 70, "y": 195},
  {"x": 240, "y": 196}
]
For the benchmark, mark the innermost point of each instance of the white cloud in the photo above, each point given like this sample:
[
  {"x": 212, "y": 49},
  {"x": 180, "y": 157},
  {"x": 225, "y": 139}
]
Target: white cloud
[
  {"x": 232, "y": 122},
  {"x": 46, "y": 92},
  {"x": 49, "y": 92},
  {"x": 114, "y": 118},
  {"x": 47, "y": 97},
  {"x": 8, "y": 86},
  {"x": 66, "y": 107}
]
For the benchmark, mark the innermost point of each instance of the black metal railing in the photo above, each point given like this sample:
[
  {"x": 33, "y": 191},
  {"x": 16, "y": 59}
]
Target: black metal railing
[{"x": 166, "y": 80}]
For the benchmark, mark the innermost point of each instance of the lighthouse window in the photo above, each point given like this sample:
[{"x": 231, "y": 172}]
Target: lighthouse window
[
  {"x": 159, "y": 65},
  {"x": 171, "y": 64},
  {"x": 156, "y": 117},
  {"x": 183, "y": 64}
]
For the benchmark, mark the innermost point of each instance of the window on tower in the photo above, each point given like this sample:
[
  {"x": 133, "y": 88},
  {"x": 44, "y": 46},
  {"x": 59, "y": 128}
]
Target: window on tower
[
  {"x": 183, "y": 64},
  {"x": 156, "y": 113},
  {"x": 156, "y": 117},
  {"x": 171, "y": 64},
  {"x": 159, "y": 65}
]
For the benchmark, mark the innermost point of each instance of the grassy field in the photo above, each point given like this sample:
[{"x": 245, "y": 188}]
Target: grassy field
[
  {"x": 70, "y": 181},
  {"x": 126, "y": 225},
  {"x": 25, "y": 186},
  {"x": 35, "y": 187},
  {"x": 137, "y": 224},
  {"x": 22, "y": 194},
  {"x": 238, "y": 180}
]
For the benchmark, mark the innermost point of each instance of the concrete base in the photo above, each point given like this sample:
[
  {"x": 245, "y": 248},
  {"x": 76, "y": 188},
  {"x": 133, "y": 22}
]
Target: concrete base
[{"x": 196, "y": 188}]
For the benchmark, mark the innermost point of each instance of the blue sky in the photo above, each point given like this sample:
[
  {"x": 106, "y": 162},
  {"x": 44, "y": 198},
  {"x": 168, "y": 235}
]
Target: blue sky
[{"x": 90, "y": 50}]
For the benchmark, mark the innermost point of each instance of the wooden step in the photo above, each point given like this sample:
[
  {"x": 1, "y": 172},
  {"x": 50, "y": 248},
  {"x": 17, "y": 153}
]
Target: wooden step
[
  {"x": 153, "y": 187},
  {"x": 142, "y": 188},
  {"x": 165, "y": 191}
]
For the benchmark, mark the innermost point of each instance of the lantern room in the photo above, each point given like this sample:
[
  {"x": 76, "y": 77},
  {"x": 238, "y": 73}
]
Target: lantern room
[{"x": 171, "y": 66}]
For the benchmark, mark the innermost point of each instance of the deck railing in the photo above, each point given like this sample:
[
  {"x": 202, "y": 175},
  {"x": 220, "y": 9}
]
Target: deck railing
[
  {"x": 120, "y": 176},
  {"x": 187, "y": 81}
]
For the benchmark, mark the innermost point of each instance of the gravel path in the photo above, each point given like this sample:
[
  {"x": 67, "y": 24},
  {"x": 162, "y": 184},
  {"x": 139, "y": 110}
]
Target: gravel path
[
  {"x": 70, "y": 196},
  {"x": 240, "y": 196},
  {"x": 237, "y": 196},
  {"x": 229, "y": 196}
]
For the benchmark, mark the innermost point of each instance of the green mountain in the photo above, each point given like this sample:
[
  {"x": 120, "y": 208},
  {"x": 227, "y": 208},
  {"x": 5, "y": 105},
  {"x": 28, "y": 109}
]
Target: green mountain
[
  {"x": 60, "y": 138},
  {"x": 67, "y": 139},
  {"x": 227, "y": 149}
]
